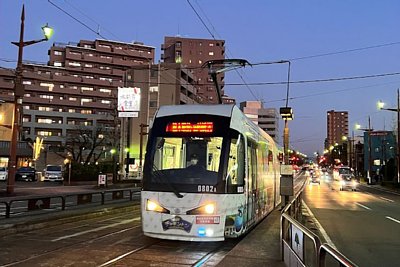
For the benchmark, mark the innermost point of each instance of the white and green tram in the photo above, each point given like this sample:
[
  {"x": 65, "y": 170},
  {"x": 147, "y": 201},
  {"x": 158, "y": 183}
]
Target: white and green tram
[{"x": 233, "y": 186}]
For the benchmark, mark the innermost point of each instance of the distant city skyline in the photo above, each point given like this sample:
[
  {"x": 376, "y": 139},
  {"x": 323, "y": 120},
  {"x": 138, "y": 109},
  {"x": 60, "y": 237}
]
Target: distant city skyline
[{"x": 323, "y": 40}]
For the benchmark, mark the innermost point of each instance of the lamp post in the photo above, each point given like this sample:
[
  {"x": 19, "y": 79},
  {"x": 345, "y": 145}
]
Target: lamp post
[
  {"x": 18, "y": 96},
  {"x": 380, "y": 106},
  {"x": 368, "y": 130}
]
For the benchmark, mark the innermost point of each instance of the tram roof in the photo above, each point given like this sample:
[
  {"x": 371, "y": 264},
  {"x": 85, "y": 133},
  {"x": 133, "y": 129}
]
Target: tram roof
[{"x": 221, "y": 110}]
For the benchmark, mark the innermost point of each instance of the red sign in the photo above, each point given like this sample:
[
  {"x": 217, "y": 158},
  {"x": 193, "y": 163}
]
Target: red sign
[
  {"x": 190, "y": 127},
  {"x": 207, "y": 219}
]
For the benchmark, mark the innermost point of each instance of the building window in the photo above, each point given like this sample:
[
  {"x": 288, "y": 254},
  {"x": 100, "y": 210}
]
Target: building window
[
  {"x": 74, "y": 64},
  {"x": 72, "y": 99},
  {"x": 89, "y": 65},
  {"x": 57, "y": 64},
  {"x": 211, "y": 44},
  {"x": 27, "y": 95},
  {"x": 88, "y": 46},
  {"x": 48, "y": 121},
  {"x": 200, "y": 62},
  {"x": 58, "y": 53},
  {"x": 27, "y": 107},
  {"x": 108, "y": 102},
  {"x": 211, "y": 53},
  {"x": 58, "y": 73},
  {"x": 83, "y": 89},
  {"x": 71, "y": 110},
  {"x": 46, "y": 96},
  {"x": 86, "y": 111},
  {"x": 44, "y": 133},
  {"x": 104, "y": 90},
  {"x": 86, "y": 100},
  {"x": 45, "y": 109},
  {"x": 27, "y": 82}
]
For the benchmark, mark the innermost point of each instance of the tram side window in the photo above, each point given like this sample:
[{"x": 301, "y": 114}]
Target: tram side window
[{"x": 236, "y": 163}]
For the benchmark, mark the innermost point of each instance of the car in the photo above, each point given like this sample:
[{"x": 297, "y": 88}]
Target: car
[
  {"x": 3, "y": 174},
  {"x": 347, "y": 179},
  {"x": 26, "y": 174},
  {"x": 315, "y": 179}
]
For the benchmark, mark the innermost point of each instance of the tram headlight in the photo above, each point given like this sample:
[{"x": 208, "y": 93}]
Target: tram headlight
[
  {"x": 205, "y": 209},
  {"x": 154, "y": 206}
]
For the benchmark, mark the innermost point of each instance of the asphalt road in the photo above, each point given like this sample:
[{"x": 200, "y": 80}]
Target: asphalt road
[{"x": 363, "y": 225}]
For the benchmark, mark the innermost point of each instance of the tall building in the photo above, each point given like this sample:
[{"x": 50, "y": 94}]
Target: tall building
[
  {"x": 193, "y": 53},
  {"x": 160, "y": 84},
  {"x": 266, "y": 118},
  {"x": 337, "y": 127},
  {"x": 77, "y": 88}
]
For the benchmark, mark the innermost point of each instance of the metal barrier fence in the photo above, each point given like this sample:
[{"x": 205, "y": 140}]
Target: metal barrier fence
[
  {"x": 22, "y": 205},
  {"x": 300, "y": 246}
]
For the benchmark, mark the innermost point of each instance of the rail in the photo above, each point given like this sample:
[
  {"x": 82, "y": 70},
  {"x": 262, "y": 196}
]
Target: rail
[
  {"x": 295, "y": 247},
  {"x": 17, "y": 206}
]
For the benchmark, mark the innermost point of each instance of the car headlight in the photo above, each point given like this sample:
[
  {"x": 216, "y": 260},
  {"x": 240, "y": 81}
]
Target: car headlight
[
  {"x": 205, "y": 209},
  {"x": 154, "y": 206}
]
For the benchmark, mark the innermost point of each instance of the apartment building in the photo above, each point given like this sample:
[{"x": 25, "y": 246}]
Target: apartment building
[
  {"x": 193, "y": 53},
  {"x": 266, "y": 118},
  {"x": 78, "y": 87},
  {"x": 337, "y": 127}
]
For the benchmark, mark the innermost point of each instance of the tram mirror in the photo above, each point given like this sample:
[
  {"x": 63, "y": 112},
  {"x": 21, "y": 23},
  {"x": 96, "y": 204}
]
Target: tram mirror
[{"x": 161, "y": 143}]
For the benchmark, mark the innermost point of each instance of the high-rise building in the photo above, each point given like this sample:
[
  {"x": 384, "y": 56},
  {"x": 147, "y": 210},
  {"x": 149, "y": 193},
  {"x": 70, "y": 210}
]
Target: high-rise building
[
  {"x": 266, "y": 118},
  {"x": 337, "y": 127},
  {"x": 193, "y": 53}
]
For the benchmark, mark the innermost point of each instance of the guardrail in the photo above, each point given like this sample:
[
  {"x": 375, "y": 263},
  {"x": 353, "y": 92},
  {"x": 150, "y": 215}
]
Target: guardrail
[
  {"x": 296, "y": 249},
  {"x": 28, "y": 204}
]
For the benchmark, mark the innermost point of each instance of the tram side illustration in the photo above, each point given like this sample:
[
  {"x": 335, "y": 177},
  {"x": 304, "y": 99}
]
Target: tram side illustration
[{"x": 210, "y": 173}]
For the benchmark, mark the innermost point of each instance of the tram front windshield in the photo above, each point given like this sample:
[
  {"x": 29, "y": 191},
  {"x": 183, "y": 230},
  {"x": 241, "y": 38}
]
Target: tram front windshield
[{"x": 186, "y": 159}]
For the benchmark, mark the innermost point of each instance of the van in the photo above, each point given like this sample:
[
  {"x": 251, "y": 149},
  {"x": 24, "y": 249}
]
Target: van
[{"x": 53, "y": 173}]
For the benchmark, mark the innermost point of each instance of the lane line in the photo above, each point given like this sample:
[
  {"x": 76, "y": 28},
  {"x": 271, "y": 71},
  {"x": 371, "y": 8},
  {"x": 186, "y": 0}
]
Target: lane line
[
  {"x": 321, "y": 229},
  {"x": 390, "y": 218},
  {"x": 123, "y": 256},
  {"x": 95, "y": 229},
  {"x": 361, "y": 205},
  {"x": 386, "y": 199}
]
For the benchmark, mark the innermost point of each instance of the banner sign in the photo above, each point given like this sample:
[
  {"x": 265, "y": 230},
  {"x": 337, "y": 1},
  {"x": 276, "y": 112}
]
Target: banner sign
[{"x": 128, "y": 99}]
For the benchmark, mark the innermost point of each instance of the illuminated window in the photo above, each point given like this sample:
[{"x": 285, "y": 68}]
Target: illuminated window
[
  {"x": 58, "y": 53},
  {"x": 86, "y": 111},
  {"x": 46, "y": 96},
  {"x": 74, "y": 64},
  {"x": 57, "y": 64},
  {"x": 27, "y": 82},
  {"x": 104, "y": 90},
  {"x": 86, "y": 88},
  {"x": 210, "y": 53},
  {"x": 106, "y": 102},
  {"x": 72, "y": 98}
]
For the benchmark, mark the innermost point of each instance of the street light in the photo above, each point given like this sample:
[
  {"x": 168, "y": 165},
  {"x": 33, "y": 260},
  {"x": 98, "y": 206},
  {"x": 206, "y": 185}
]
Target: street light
[
  {"x": 369, "y": 130},
  {"x": 18, "y": 96},
  {"x": 380, "y": 106}
]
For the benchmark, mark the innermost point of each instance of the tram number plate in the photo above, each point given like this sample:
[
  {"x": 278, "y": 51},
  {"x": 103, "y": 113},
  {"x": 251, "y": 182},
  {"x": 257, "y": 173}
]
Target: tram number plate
[
  {"x": 207, "y": 220},
  {"x": 206, "y": 188}
]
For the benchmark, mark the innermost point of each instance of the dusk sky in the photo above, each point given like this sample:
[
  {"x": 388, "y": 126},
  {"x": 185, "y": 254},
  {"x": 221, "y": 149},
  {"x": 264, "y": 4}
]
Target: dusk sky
[{"x": 339, "y": 41}]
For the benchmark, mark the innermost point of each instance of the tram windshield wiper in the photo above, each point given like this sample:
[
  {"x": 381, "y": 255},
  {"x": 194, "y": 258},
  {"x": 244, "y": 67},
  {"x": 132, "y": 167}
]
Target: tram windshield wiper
[{"x": 163, "y": 178}]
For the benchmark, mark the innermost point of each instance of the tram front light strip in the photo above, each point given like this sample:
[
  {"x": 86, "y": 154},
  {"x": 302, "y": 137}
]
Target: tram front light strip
[{"x": 154, "y": 206}]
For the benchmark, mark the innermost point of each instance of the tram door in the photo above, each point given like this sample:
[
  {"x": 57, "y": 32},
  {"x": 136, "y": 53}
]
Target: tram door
[{"x": 252, "y": 184}]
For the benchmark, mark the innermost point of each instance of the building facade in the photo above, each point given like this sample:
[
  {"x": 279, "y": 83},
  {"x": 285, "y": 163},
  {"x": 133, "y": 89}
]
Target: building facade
[
  {"x": 193, "y": 53},
  {"x": 266, "y": 118},
  {"x": 337, "y": 127},
  {"x": 78, "y": 88}
]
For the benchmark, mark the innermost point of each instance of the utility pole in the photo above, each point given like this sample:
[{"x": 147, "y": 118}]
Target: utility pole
[{"x": 142, "y": 133}]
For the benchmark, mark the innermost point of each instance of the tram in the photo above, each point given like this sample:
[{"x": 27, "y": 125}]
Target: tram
[{"x": 210, "y": 173}]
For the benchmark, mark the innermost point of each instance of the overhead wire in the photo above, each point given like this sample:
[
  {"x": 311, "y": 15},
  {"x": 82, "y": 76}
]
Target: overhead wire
[{"x": 209, "y": 31}]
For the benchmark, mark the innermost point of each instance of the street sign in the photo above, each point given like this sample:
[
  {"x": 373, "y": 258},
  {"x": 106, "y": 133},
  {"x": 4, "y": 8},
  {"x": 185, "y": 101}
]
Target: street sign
[
  {"x": 130, "y": 114},
  {"x": 102, "y": 179}
]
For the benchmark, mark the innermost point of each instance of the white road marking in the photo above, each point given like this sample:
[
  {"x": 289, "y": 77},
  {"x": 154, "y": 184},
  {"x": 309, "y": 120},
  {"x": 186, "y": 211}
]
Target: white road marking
[
  {"x": 386, "y": 199},
  {"x": 390, "y": 218},
  {"x": 95, "y": 229},
  {"x": 320, "y": 228},
  {"x": 361, "y": 205}
]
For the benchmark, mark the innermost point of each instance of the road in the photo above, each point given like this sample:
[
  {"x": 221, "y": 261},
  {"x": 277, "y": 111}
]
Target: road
[
  {"x": 363, "y": 225},
  {"x": 104, "y": 241}
]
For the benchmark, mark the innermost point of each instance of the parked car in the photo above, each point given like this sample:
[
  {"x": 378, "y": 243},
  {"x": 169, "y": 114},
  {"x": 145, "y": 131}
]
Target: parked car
[
  {"x": 315, "y": 179},
  {"x": 53, "y": 173},
  {"x": 3, "y": 174},
  {"x": 26, "y": 174}
]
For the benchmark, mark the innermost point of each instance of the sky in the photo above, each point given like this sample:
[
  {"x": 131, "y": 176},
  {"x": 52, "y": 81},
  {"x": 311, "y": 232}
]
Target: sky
[{"x": 344, "y": 54}]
